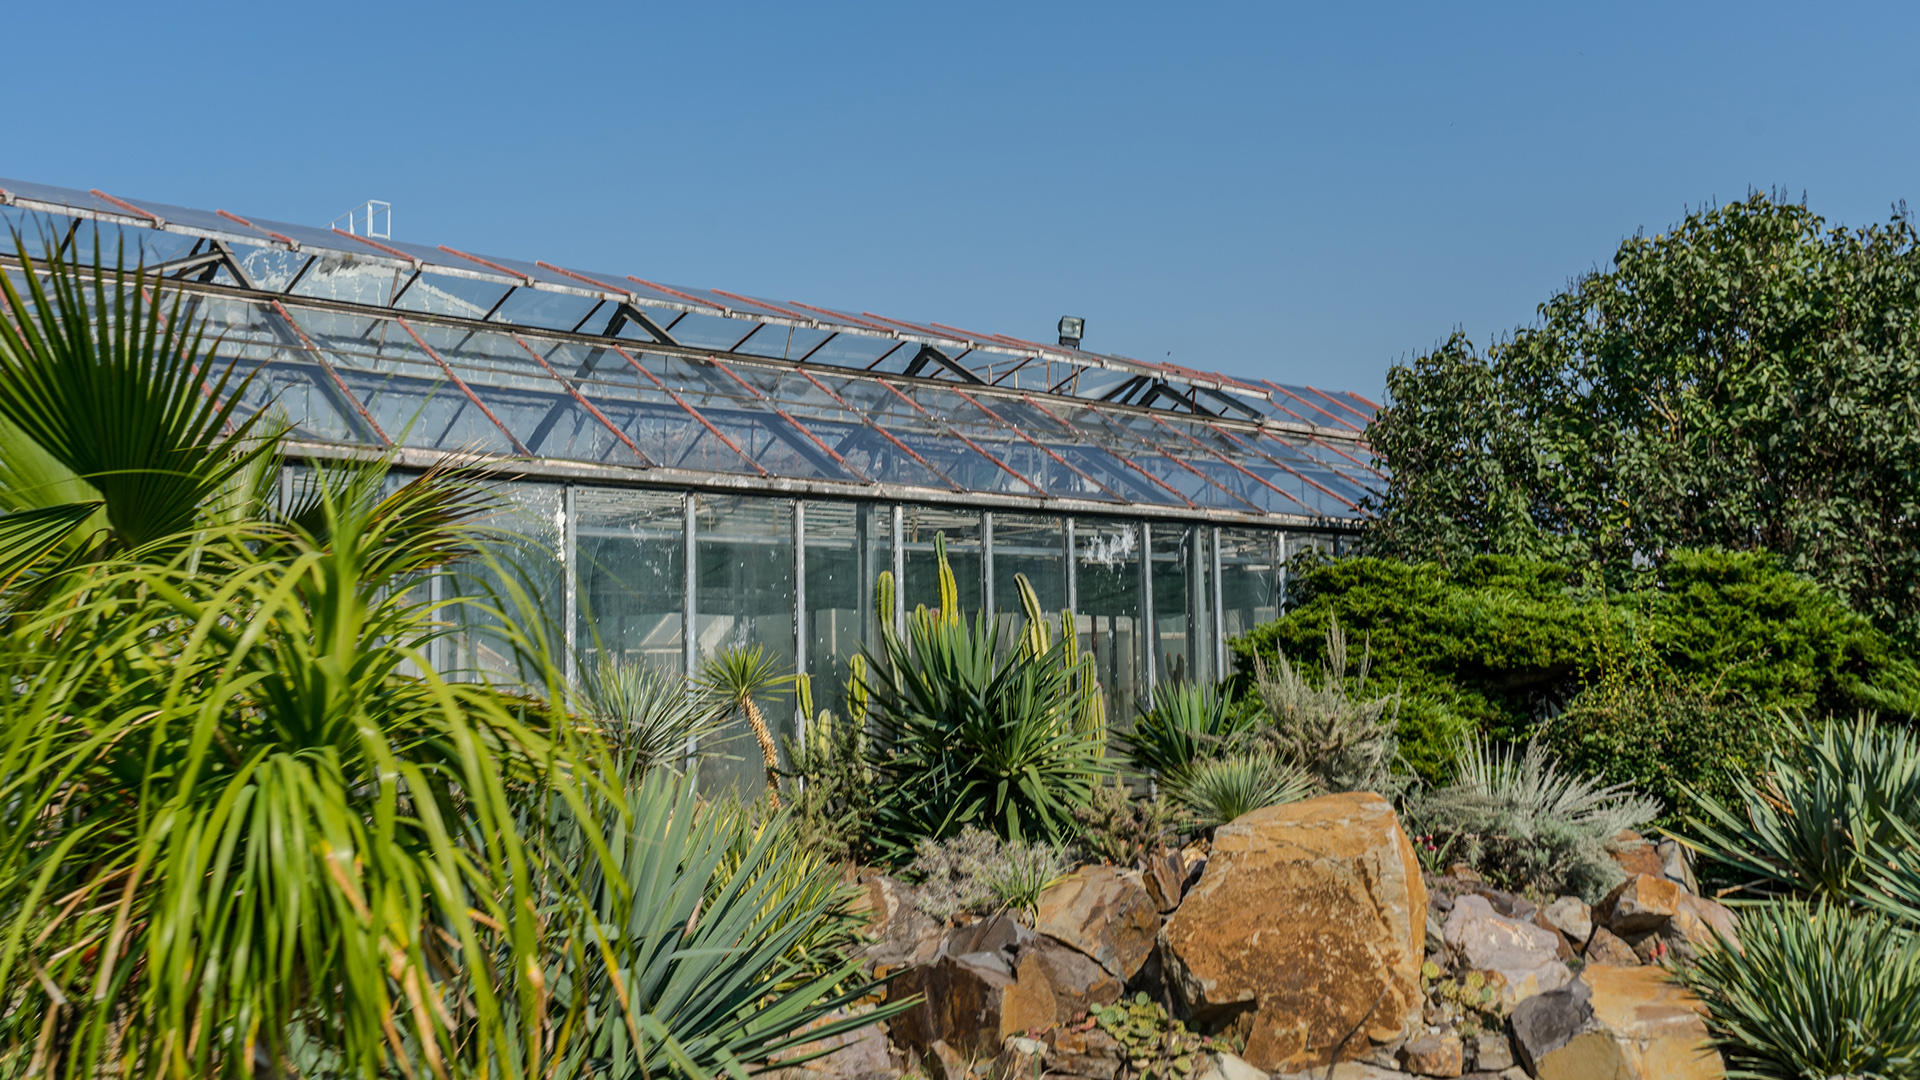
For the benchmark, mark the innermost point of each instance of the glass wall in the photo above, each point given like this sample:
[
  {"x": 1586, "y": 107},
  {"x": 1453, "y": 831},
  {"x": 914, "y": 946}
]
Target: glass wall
[
  {"x": 1182, "y": 603},
  {"x": 919, "y": 525},
  {"x": 1107, "y": 574},
  {"x": 1037, "y": 547},
  {"x": 525, "y": 583},
  {"x": 743, "y": 597},
  {"x": 847, "y": 546},
  {"x": 1252, "y": 580},
  {"x": 630, "y": 555}
]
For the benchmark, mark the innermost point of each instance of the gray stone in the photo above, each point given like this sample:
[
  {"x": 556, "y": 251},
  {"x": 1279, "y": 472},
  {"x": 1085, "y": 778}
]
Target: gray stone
[
  {"x": 1676, "y": 863},
  {"x": 1571, "y": 916},
  {"x": 1525, "y": 956},
  {"x": 1546, "y": 1022},
  {"x": 1230, "y": 1067},
  {"x": 1492, "y": 1052}
]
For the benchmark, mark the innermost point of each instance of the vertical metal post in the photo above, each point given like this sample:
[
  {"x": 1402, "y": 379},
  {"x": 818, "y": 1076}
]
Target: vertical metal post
[
  {"x": 986, "y": 563},
  {"x": 1148, "y": 634},
  {"x": 570, "y": 584},
  {"x": 1281, "y": 602},
  {"x": 1073, "y": 576},
  {"x": 689, "y": 620},
  {"x": 899, "y": 612},
  {"x": 1199, "y": 639},
  {"x": 1219, "y": 612},
  {"x": 864, "y": 574},
  {"x": 799, "y": 615}
]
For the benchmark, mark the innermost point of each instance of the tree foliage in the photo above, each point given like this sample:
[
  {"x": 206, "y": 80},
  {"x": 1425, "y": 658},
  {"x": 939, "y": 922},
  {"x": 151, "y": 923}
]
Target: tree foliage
[{"x": 1743, "y": 381}]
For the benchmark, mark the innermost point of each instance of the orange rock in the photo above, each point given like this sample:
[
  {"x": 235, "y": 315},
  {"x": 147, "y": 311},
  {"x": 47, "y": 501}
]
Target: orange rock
[
  {"x": 1309, "y": 918},
  {"x": 1654, "y": 1022},
  {"x": 1105, "y": 913},
  {"x": 1640, "y": 904},
  {"x": 1605, "y": 947}
]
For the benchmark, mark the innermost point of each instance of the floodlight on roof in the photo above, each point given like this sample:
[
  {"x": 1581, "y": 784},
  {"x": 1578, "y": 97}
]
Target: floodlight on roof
[{"x": 1072, "y": 329}]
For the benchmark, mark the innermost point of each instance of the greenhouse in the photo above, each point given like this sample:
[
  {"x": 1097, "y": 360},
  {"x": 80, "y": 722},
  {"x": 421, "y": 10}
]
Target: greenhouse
[{"x": 710, "y": 469}]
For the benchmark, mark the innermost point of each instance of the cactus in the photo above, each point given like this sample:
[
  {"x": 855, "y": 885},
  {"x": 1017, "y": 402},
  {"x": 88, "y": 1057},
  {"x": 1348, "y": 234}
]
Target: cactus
[
  {"x": 803, "y": 686},
  {"x": 1038, "y": 636},
  {"x": 949, "y": 588},
  {"x": 857, "y": 689},
  {"x": 883, "y": 598}
]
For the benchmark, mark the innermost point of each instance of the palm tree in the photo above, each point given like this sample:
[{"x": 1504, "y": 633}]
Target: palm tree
[{"x": 735, "y": 677}]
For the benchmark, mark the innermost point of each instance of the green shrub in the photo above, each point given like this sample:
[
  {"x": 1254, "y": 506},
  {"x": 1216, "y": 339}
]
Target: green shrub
[
  {"x": 834, "y": 801},
  {"x": 1344, "y": 741},
  {"x": 1665, "y": 737},
  {"x": 1220, "y": 789},
  {"x": 1120, "y": 829},
  {"x": 1523, "y": 823},
  {"x": 1813, "y": 990}
]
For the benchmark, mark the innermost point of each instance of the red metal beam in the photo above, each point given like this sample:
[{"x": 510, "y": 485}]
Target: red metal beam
[
  {"x": 615, "y": 289},
  {"x": 378, "y": 246},
  {"x": 688, "y": 297},
  {"x": 977, "y": 448},
  {"x": 788, "y": 417},
  {"x": 1364, "y": 418},
  {"x": 1304, "y": 478},
  {"x": 127, "y": 206},
  {"x": 291, "y": 243},
  {"x": 584, "y": 403},
  {"x": 1169, "y": 488},
  {"x": 691, "y": 411},
  {"x": 847, "y": 320},
  {"x": 1249, "y": 473},
  {"x": 1323, "y": 412},
  {"x": 334, "y": 375},
  {"x": 787, "y": 313},
  {"x": 883, "y": 432},
  {"x": 464, "y": 388},
  {"x": 1044, "y": 448},
  {"x": 489, "y": 264}
]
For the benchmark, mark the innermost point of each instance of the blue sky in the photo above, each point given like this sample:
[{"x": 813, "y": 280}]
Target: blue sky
[{"x": 1307, "y": 193}]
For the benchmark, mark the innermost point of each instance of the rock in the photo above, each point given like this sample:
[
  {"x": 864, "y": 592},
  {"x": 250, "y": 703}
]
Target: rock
[
  {"x": 1641, "y": 904},
  {"x": 1605, "y": 947},
  {"x": 1676, "y": 865},
  {"x": 905, "y": 935},
  {"x": 1433, "y": 1055},
  {"x": 1570, "y": 916},
  {"x": 1618, "y": 1023},
  {"x": 1525, "y": 956},
  {"x": 1308, "y": 924},
  {"x": 1021, "y": 1058},
  {"x": 1346, "y": 1070},
  {"x": 994, "y": 979},
  {"x": 1562, "y": 948},
  {"x": 1230, "y": 1067},
  {"x": 1103, "y": 912},
  {"x": 1698, "y": 926},
  {"x": 863, "y": 1052},
  {"x": 1492, "y": 1053},
  {"x": 1165, "y": 876},
  {"x": 1435, "y": 935},
  {"x": 1635, "y": 854},
  {"x": 944, "y": 1062},
  {"x": 1087, "y": 1052}
]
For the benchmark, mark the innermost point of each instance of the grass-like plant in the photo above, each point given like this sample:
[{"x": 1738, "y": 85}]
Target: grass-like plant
[
  {"x": 1813, "y": 990},
  {"x": 649, "y": 719},
  {"x": 1218, "y": 790},
  {"x": 975, "y": 871},
  {"x": 1522, "y": 821},
  {"x": 1189, "y": 722},
  {"x": 1824, "y": 802}
]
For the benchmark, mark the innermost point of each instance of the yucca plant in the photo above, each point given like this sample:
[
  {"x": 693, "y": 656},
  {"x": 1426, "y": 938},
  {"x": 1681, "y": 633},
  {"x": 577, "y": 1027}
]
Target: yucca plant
[
  {"x": 1522, "y": 821},
  {"x": 1828, "y": 798},
  {"x": 1188, "y": 723},
  {"x": 648, "y": 719},
  {"x": 1218, "y": 790},
  {"x": 733, "y": 678},
  {"x": 1813, "y": 990},
  {"x": 970, "y": 729}
]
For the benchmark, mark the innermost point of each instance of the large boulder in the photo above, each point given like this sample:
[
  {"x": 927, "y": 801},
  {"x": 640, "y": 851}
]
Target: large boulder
[
  {"x": 1105, "y": 913},
  {"x": 1526, "y": 957},
  {"x": 1618, "y": 1023},
  {"x": 1306, "y": 927},
  {"x": 904, "y": 935}
]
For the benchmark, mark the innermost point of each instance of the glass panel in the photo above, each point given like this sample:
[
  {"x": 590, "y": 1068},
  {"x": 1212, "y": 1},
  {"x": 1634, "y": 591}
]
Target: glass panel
[
  {"x": 529, "y": 591},
  {"x": 920, "y": 524},
  {"x": 848, "y": 544},
  {"x": 344, "y": 277},
  {"x": 1107, "y": 578},
  {"x": 785, "y": 342},
  {"x": 744, "y": 597},
  {"x": 1183, "y": 628},
  {"x": 1251, "y": 579},
  {"x": 631, "y": 551},
  {"x": 444, "y": 294},
  {"x": 1036, "y": 547},
  {"x": 537, "y": 307}
]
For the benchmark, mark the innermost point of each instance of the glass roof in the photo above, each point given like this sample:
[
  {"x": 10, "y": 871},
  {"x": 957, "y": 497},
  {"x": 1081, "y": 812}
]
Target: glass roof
[{"x": 371, "y": 342}]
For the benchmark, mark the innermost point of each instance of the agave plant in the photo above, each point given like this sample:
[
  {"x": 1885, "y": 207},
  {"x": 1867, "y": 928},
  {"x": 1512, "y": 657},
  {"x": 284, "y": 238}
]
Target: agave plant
[
  {"x": 1813, "y": 990},
  {"x": 1824, "y": 803},
  {"x": 1523, "y": 821},
  {"x": 1219, "y": 790},
  {"x": 971, "y": 729},
  {"x": 1187, "y": 723}
]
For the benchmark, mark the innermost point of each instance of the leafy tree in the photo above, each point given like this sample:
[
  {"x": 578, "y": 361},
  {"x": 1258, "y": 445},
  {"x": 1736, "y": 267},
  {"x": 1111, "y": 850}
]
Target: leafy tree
[{"x": 1743, "y": 381}]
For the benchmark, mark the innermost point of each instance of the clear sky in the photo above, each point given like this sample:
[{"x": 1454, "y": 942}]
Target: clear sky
[{"x": 1307, "y": 193}]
